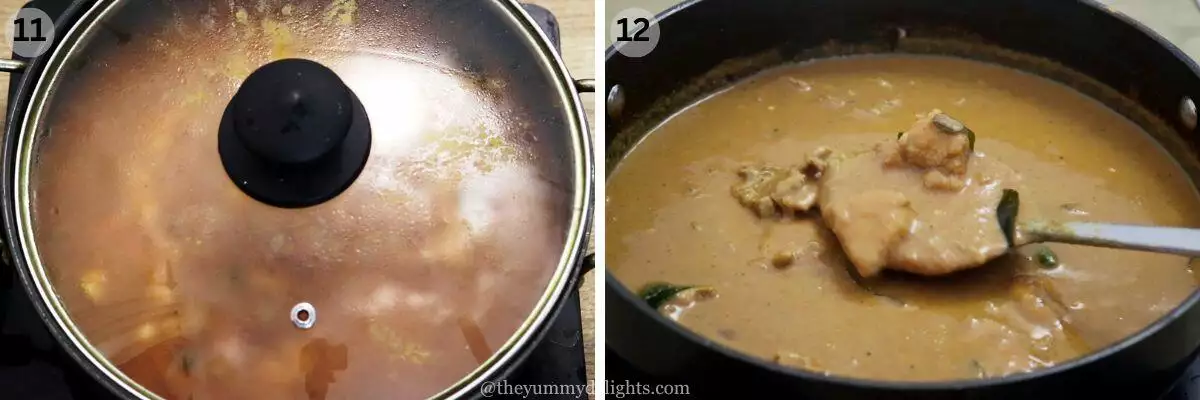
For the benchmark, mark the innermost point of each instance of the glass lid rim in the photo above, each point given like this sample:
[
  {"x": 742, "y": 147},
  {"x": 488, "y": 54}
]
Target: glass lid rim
[{"x": 36, "y": 92}]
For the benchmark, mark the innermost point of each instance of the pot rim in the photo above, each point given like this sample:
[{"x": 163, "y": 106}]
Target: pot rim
[
  {"x": 36, "y": 88},
  {"x": 918, "y": 386}
]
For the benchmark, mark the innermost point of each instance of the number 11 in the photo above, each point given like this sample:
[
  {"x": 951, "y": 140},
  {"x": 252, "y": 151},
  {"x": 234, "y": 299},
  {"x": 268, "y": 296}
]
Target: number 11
[{"x": 37, "y": 31}]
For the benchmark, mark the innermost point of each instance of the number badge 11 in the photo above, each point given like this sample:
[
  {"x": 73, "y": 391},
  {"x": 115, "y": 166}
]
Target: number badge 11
[{"x": 31, "y": 32}]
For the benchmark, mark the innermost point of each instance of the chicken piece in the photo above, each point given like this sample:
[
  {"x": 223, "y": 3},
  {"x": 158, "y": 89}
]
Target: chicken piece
[
  {"x": 939, "y": 144},
  {"x": 817, "y": 161},
  {"x": 799, "y": 192},
  {"x": 938, "y": 180},
  {"x": 796, "y": 193},
  {"x": 770, "y": 190},
  {"x": 868, "y": 225},
  {"x": 951, "y": 222},
  {"x": 908, "y": 205},
  {"x": 754, "y": 191}
]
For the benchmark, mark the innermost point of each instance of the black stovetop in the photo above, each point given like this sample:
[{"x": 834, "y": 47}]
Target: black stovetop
[{"x": 34, "y": 367}]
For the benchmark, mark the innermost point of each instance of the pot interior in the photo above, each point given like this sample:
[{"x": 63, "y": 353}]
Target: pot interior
[{"x": 680, "y": 76}]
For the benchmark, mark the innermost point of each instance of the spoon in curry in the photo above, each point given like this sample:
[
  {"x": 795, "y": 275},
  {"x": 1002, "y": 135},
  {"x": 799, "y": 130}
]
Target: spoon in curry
[
  {"x": 1181, "y": 241},
  {"x": 1158, "y": 239}
]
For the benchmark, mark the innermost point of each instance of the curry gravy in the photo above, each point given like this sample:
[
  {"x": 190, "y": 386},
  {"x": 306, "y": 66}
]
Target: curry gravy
[{"x": 671, "y": 218}]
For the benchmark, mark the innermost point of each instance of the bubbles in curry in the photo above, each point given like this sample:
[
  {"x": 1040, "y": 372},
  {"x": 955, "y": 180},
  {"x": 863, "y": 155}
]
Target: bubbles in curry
[{"x": 853, "y": 216}]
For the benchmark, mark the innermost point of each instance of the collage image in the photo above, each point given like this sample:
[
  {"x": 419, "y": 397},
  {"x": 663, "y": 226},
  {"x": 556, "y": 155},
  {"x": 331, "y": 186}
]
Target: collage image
[{"x": 600, "y": 199}]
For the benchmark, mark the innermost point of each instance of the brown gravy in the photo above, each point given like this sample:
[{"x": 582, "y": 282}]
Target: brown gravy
[{"x": 671, "y": 218}]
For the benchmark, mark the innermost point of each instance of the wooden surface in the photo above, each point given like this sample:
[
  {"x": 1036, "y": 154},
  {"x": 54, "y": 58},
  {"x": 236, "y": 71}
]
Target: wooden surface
[
  {"x": 7, "y": 9},
  {"x": 576, "y": 19}
]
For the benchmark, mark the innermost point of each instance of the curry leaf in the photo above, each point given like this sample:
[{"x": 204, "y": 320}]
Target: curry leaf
[
  {"x": 1006, "y": 214},
  {"x": 658, "y": 293},
  {"x": 953, "y": 126},
  {"x": 899, "y": 135},
  {"x": 1047, "y": 258}
]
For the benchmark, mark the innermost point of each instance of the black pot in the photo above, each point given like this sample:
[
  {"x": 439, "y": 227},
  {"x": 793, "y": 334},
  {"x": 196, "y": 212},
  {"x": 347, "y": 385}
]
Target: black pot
[
  {"x": 541, "y": 29},
  {"x": 1082, "y": 36}
]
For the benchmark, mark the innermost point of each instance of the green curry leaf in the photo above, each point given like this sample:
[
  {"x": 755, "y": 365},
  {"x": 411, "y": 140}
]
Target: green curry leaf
[
  {"x": 1046, "y": 257},
  {"x": 1006, "y": 214},
  {"x": 658, "y": 293}
]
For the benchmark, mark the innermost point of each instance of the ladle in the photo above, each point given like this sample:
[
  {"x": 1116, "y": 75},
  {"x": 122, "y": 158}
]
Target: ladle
[{"x": 1158, "y": 239}]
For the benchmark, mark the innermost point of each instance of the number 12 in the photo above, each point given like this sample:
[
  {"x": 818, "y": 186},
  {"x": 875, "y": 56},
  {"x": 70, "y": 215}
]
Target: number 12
[{"x": 637, "y": 36}]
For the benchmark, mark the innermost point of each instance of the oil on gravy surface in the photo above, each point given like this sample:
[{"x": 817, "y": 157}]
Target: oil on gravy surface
[{"x": 671, "y": 218}]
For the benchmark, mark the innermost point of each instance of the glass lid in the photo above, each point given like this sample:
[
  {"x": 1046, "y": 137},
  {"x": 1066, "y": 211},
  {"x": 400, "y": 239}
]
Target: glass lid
[{"x": 307, "y": 199}]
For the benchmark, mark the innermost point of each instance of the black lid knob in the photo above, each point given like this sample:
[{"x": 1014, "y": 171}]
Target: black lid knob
[
  {"x": 292, "y": 111},
  {"x": 294, "y": 135}
]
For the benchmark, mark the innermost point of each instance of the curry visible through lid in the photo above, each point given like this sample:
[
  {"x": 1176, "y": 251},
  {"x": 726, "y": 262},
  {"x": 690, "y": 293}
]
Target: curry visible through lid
[{"x": 393, "y": 271}]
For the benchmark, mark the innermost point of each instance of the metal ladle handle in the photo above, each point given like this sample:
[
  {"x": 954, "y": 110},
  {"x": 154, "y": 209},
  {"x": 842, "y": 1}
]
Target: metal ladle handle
[
  {"x": 1158, "y": 239},
  {"x": 12, "y": 66}
]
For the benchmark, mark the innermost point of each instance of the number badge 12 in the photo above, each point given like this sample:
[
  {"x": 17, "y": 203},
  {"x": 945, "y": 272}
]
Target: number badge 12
[{"x": 634, "y": 32}]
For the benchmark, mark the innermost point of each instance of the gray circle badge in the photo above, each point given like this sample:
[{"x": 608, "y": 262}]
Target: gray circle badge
[
  {"x": 634, "y": 32},
  {"x": 31, "y": 32}
]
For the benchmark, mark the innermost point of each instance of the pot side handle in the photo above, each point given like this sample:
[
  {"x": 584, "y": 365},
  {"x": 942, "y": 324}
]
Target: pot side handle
[
  {"x": 586, "y": 264},
  {"x": 12, "y": 66},
  {"x": 589, "y": 85},
  {"x": 548, "y": 23},
  {"x": 589, "y": 263}
]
